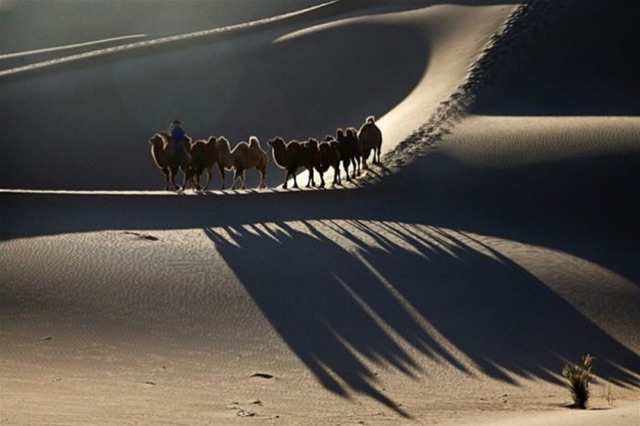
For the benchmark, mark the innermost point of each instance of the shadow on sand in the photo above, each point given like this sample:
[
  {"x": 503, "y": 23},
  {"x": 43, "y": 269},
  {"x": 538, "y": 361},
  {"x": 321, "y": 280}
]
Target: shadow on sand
[{"x": 342, "y": 291}]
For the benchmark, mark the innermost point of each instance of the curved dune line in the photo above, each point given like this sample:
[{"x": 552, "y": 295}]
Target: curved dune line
[
  {"x": 68, "y": 46},
  {"x": 162, "y": 40},
  {"x": 454, "y": 108}
]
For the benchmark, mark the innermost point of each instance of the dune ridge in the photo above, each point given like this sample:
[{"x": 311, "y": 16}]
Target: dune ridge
[{"x": 163, "y": 41}]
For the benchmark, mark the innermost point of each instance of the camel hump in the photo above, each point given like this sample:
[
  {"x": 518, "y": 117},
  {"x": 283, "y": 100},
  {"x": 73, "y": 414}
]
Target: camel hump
[
  {"x": 254, "y": 143},
  {"x": 241, "y": 148},
  {"x": 223, "y": 143}
]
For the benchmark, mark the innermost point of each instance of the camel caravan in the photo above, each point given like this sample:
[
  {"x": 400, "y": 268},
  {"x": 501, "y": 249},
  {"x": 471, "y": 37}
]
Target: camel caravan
[{"x": 351, "y": 148}]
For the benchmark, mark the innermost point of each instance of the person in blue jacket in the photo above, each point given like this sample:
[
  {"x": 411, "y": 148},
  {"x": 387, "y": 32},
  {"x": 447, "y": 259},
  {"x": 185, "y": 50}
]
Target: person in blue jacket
[
  {"x": 177, "y": 132},
  {"x": 179, "y": 138}
]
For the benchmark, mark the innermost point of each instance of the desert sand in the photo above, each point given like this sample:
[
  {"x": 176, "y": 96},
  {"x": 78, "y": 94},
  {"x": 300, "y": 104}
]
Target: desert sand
[{"x": 450, "y": 286}]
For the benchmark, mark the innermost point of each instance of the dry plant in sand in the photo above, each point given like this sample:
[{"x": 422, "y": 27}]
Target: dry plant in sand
[{"x": 579, "y": 376}]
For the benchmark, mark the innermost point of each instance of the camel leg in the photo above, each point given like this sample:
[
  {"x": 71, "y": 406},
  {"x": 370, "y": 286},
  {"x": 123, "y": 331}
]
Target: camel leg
[
  {"x": 192, "y": 178},
  {"x": 206, "y": 186},
  {"x": 175, "y": 172},
  {"x": 221, "y": 168},
  {"x": 165, "y": 172},
  {"x": 263, "y": 178},
  {"x": 196, "y": 179},
  {"x": 235, "y": 179},
  {"x": 286, "y": 179},
  {"x": 321, "y": 180},
  {"x": 172, "y": 179},
  {"x": 310, "y": 180},
  {"x": 244, "y": 178},
  {"x": 185, "y": 179},
  {"x": 295, "y": 180},
  {"x": 345, "y": 166}
]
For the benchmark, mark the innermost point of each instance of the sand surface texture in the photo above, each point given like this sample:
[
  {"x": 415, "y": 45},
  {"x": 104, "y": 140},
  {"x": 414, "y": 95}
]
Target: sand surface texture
[{"x": 450, "y": 286}]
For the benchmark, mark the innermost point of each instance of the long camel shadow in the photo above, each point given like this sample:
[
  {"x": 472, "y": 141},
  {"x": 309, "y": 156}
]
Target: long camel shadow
[{"x": 351, "y": 296}]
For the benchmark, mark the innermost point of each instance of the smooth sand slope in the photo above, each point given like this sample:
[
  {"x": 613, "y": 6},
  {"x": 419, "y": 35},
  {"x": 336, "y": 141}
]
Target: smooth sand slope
[{"x": 452, "y": 291}]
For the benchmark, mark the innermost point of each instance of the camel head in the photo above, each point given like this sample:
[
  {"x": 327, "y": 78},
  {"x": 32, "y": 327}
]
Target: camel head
[
  {"x": 340, "y": 133},
  {"x": 371, "y": 119},
  {"x": 157, "y": 141}
]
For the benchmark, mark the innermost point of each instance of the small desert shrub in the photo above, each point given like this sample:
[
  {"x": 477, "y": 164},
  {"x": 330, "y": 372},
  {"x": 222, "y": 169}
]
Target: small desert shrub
[{"x": 578, "y": 377}]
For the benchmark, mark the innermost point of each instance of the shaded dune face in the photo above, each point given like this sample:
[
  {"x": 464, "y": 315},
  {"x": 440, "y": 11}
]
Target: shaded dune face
[
  {"x": 102, "y": 114},
  {"x": 584, "y": 63}
]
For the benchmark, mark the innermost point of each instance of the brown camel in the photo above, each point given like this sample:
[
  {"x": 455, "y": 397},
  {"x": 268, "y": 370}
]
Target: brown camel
[
  {"x": 351, "y": 135},
  {"x": 329, "y": 157},
  {"x": 371, "y": 139},
  {"x": 311, "y": 159},
  {"x": 244, "y": 156},
  {"x": 169, "y": 158},
  {"x": 204, "y": 155},
  {"x": 287, "y": 156}
]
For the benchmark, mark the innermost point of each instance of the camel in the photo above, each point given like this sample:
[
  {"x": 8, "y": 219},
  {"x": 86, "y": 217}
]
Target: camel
[
  {"x": 169, "y": 159},
  {"x": 204, "y": 155},
  {"x": 351, "y": 135},
  {"x": 347, "y": 153},
  {"x": 244, "y": 156},
  {"x": 311, "y": 159},
  {"x": 329, "y": 157},
  {"x": 287, "y": 156},
  {"x": 371, "y": 139}
]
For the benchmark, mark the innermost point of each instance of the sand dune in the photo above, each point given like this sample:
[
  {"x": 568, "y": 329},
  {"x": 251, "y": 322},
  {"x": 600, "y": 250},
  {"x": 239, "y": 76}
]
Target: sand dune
[
  {"x": 451, "y": 290},
  {"x": 229, "y": 87}
]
